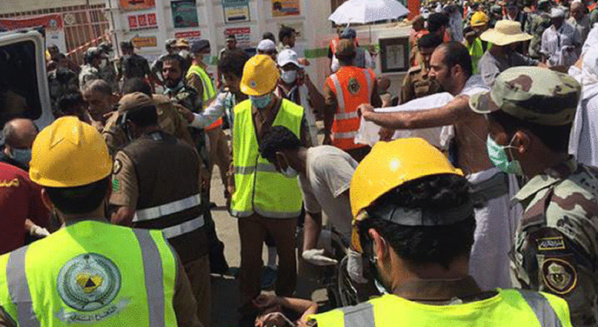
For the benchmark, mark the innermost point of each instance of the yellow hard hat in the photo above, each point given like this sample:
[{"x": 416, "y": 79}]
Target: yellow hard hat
[
  {"x": 69, "y": 153},
  {"x": 391, "y": 164},
  {"x": 260, "y": 76},
  {"x": 479, "y": 19}
]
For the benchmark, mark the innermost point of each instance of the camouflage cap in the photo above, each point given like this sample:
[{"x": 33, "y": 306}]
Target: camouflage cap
[
  {"x": 533, "y": 94},
  {"x": 134, "y": 101}
]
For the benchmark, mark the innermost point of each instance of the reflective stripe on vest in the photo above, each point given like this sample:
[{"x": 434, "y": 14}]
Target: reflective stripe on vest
[
  {"x": 18, "y": 287},
  {"x": 167, "y": 209},
  {"x": 209, "y": 92},
  {"x": 154, "y": 284},
  {"x": 346, "y": 120},
  {"x": 361, "y": 315},
  {"x": 508, "y": 308},
  {"x": 541, "y": 308},
  {"x": 172, "y": 208},
  {"x": 20, "y": 294},
  {"x": 260, "y": 189}
]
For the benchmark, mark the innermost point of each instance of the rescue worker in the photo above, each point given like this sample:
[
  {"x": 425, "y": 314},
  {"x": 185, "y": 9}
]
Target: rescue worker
[
  {"x": 169, "y": 119},
  {"x": 198, "y": 78},
  {"x": 495, "y": 217},
  {"x": 80, "y": 274},
  {"x": 475, "y": 45},
  {"x": 155, "y": 185},
  {"x": 90, "y": 70},
  {"x": 414, "y": 225},
  {"x": 557, "y": 241},
  {"x": 324, "y": 177},
  {"x": 61, "y": 81},
  {"x": 343, "y": 92},
  {"x": 263, "y": 200}
]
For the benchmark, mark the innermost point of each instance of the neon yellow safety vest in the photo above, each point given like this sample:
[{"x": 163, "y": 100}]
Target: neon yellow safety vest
[
  {"x": 509, "y": 308},
  {"x": 208, "y": 87},
  {"x": 259, "y": 187},
  {"x": 476, "y": 51},
  {"x": 91, "y": 272}
]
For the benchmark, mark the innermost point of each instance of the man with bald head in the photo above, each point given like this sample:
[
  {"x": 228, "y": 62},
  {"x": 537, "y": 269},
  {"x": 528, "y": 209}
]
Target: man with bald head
[
  {"x": 18, "y": 134},
  {"x": 579, "y": 19}
]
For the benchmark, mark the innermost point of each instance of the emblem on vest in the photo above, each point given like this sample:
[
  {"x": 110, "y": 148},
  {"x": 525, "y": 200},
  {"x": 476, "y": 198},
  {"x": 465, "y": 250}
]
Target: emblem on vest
[
  {"x": 354, "y": 86},
  {"x": 89, "y": 283}
]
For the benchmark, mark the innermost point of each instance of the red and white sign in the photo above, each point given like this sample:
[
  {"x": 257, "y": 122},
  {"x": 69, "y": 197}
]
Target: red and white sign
[
  {"x": 242, "y": 35},
  {"x": 142, "y": 21},
  {"x": 189, "y": 36}
]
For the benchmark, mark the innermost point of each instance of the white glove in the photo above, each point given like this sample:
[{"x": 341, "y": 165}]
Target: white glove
[
  {"x": 39, "y": 231},
  {"x": 355, "y": 267},
  {"x": 317, "y": 257}
]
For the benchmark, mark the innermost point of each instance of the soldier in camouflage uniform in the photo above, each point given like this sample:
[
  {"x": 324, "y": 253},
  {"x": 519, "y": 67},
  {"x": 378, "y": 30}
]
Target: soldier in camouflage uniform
[
  {"x": 61, "y": 81},
  {"x": 90, "y": 70},
  {"x": 530, "y": 112},
  {"x": 539, "y": 22},
  {"x": 107, "y": 69}
]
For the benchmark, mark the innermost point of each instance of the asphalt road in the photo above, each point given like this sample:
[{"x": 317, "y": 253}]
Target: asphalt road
[{"x": 225, "y": 294}]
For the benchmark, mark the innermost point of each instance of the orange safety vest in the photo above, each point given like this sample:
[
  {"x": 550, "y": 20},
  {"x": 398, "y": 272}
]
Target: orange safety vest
[{"x": 352, "y": 86}]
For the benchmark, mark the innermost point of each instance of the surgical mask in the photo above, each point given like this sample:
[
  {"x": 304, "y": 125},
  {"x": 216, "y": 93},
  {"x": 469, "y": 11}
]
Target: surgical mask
[
  {"x": 22, "y": 155},
  {"x": 290, "y": 172},
  {"x": 289, "y": 76},
  {"x": 498, "y": 156},
  {"x": 261, "y": 102}
]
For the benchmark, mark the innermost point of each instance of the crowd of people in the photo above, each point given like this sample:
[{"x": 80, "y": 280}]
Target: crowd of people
[{"x": 106, "y": 213}]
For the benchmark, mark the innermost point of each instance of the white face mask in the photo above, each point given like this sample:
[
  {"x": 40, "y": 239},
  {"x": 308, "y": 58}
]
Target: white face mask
[
  {"x": 289, "y": 76},
  {"x": 290, "y": 172}
]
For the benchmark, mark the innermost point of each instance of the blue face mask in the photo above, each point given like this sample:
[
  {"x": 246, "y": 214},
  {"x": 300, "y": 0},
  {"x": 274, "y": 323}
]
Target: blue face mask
[
  {"x": 21, "y": 155},
  {"x": 261, "y": 102},
  {"x": 498, "y": 156}
]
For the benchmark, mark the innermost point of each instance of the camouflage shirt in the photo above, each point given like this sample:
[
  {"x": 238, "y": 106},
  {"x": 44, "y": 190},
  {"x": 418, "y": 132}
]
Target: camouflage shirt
[
  {"x": 108, "y": 74},
  {"x": 539, "y": 22},
  {"x": 188, "y": 97},
  {"x": 88, "y": 73},
  {"x": 134, "y": 66},
  {"x": 557, "y": 241}
]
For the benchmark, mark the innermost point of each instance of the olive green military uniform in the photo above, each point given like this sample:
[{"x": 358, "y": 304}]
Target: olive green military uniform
[
  {"x": 417, "y": 84},
  {"x": 108, "y": 73},
  {"x": 169, "y": 118},
  {"x": 539, "y": 22},
  {"x": 556, "y": 243}
]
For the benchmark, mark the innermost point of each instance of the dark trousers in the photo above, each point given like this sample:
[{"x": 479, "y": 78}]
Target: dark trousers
[{"x": 252, "y": 232}]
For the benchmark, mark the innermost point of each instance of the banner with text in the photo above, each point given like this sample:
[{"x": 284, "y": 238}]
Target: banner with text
[{"x": 242, "y": 34}]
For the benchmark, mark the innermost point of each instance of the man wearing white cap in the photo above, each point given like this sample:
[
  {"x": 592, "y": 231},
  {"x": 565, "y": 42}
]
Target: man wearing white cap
[
  {"x": 501, "y": 56},
  {"x": 267, "y": 47},
  {"x": 296, "y": 86},
  {"x": 561, "y": 43}
]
